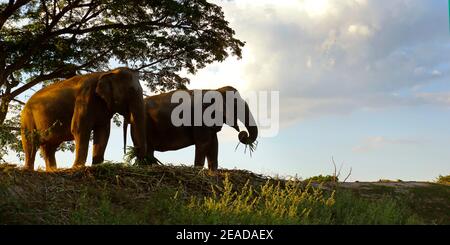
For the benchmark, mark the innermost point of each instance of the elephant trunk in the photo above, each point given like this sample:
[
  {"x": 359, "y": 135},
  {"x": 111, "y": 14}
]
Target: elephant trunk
[
  {"x": 137, "y": 121},
  {"x": 250, "y": 125}
]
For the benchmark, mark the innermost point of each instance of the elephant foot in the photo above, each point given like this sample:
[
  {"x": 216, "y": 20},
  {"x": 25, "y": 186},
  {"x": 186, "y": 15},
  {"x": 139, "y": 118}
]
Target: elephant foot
[
  {"x": 51, "y": 169},
  {"x": 97, "y": 160},
  {"x": 28, "y": 168},
  {"x": 78, "y": 165},
  {"x": 213, "y": 172},
  {"x": 213, "y": 166}
]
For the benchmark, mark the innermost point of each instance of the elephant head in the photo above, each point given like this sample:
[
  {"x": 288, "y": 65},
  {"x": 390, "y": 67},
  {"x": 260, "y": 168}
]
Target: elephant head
[
  {"x": 122, "y": 92},
  {"x": 242, "y": 113}
]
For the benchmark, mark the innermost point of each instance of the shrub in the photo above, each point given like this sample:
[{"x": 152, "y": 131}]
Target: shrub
[
  {"x": 322, "y": 179},
  {"x": 443, "y": 179}
]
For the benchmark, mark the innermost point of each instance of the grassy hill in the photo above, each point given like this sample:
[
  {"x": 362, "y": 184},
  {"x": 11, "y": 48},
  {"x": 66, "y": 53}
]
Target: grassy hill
[{"x": 118, "y": 194}]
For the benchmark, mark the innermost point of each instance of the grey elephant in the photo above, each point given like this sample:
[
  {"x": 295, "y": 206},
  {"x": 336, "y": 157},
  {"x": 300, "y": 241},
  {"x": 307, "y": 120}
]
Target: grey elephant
[
  {"x": 163, "y": 135},
  {"x": 71, "y": 109}
]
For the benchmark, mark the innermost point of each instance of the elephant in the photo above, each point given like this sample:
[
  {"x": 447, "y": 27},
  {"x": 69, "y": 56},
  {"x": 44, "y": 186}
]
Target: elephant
[
  {"x": 70, "y": 109},
  {"x": 163, "y": 135}
]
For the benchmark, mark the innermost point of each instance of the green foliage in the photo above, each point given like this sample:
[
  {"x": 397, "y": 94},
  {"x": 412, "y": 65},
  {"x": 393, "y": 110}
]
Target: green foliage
[
  {"x": 351, "y": 209},
  {"x": 431, "y": 203},
  {"x": 292, "y": 204},
  {"x": 165, "y": 207},
  {"x": 105, "y": 212},
  {"x": 130, "y": 158},
  {"x": 287, "y": 203},
  {"x": 10, "y": 135}
]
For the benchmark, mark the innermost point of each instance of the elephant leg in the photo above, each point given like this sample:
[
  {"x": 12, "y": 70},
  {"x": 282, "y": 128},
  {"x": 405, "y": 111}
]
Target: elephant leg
[
  {"x": 101, "y": 136},
  {"x": 212, "y": 153},
  {"x": 203, "y": 137},
  {"x": 200, "y": 155},
  {"x": 81, "y": 148},
  {"x": 151, "y": 156},
  {"x": 30, "y": 150},
  {"x": 48, "y": 152}
]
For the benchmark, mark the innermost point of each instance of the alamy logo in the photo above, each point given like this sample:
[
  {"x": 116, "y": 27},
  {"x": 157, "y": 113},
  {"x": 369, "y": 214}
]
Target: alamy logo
[{"x": 213, "y": 108}]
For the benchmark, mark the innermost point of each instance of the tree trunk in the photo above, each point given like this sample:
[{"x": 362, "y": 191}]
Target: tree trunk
[
  {"x": 5, "y": 98},
  {"x": 4, "y": 104}
]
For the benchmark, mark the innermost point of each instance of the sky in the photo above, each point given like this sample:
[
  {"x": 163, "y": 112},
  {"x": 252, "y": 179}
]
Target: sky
[{"x": 365, "y": 82}]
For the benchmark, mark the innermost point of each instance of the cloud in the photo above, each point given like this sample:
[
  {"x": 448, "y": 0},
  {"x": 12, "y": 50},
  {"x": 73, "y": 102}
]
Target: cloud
[
  {"x": 361, "y": 30},
  {"x": 333, "y": 57},
  {"x": 439, "y": 98},
  {"x": 377, "y": 142}
]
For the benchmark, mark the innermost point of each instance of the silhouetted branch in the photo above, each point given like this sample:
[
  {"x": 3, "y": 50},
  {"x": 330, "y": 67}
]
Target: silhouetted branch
[
  {"x": 348, "y": 175},
  {"x": 10, "y": 128}
]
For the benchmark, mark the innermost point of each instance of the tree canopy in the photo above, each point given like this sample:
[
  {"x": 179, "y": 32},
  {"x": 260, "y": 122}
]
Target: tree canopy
[{"x": 42, "y": 41}]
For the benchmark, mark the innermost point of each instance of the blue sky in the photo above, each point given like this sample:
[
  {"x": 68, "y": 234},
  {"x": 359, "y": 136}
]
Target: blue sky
[{"x": 364, "y": 81}]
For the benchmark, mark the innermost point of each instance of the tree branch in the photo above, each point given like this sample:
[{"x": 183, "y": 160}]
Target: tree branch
[
  {"x": 55, "y": 74},
  {"x": 10, "y": 9},
  {"x": 58, "y": 73},
  {"x": 2, "y": 62},
  {"x": 160, "y": 60},
  {"x": 348, "y": 175},
  {"x": 86, "y": 18},
  {"x": 18, "y": 101},
  {"x": 47, "y": 13},
  {"x": 46, "y": 35}
]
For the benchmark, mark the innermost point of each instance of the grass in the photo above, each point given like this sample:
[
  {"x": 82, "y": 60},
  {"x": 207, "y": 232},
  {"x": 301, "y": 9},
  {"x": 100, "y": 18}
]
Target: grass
[
  {"x": 432, "y": 203},
  {"x": 390, "y": 181},
  {"x": 322, "y": 179},
  {"x": 293, "y": 204},
  {"x": 271, "y": 203},
  {"x": 118, "y": 194}
]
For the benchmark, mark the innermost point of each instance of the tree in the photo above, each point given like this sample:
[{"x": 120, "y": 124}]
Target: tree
[{"x": 44, "y": 41}]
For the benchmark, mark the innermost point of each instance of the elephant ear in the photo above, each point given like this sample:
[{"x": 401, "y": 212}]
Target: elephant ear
[{"x": 104, "y": 89}]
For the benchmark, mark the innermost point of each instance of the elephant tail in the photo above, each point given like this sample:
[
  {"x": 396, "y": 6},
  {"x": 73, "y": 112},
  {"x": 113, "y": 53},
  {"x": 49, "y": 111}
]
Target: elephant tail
[
  {"x": 126, "y": 121},
  {"x": 27, "y": 125}
]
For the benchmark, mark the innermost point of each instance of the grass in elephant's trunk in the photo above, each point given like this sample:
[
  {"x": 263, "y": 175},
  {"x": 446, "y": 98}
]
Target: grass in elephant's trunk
[
  {"x": 251, "y": 146},
  {"x": 132, "y": 159}
]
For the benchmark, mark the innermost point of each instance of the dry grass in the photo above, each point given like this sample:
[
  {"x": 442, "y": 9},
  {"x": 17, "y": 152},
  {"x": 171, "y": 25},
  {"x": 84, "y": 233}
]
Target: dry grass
[
  {"x": 158, "y": 194},
  {"x": 41, "y": 197},
  {"x": 194, "y": 180}
]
